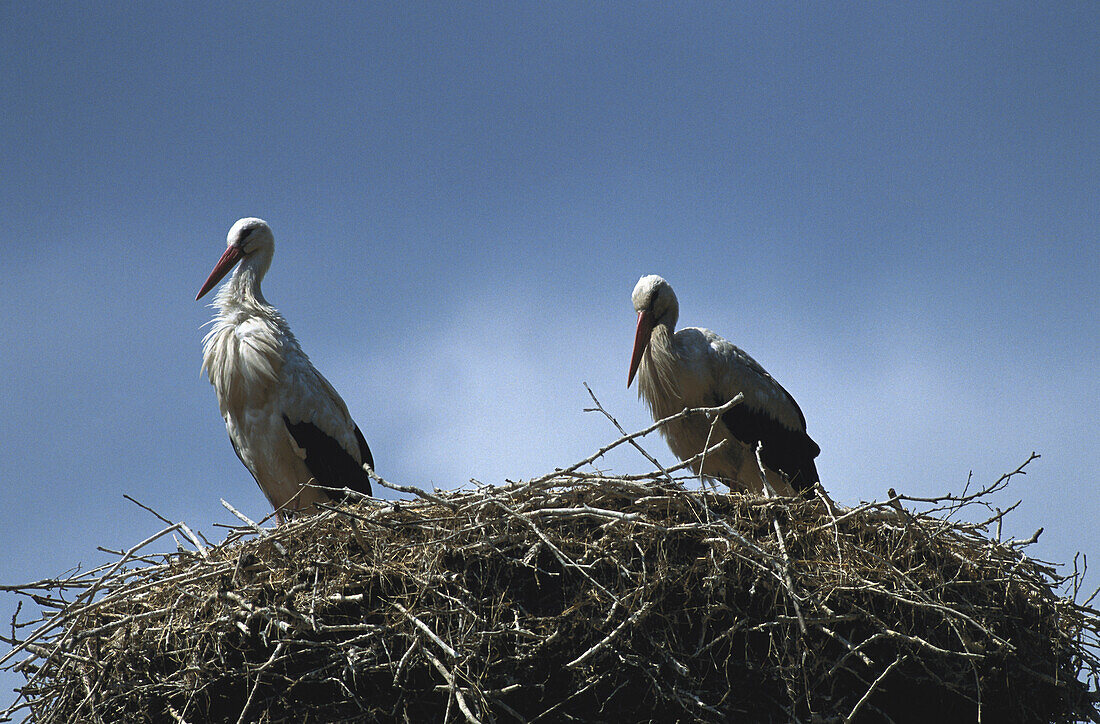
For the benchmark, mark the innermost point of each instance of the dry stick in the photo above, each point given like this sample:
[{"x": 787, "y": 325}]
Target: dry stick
[
  {"x": 641, "y": 433},
  {"x": 566, "y": 700},
  {"x": 90, "y": 690},
  {"x": 363, "y": 545},
  {"x": 828, "y": 503},
  {"x": 995, "y": 486},
  {"x": 848, "y": 645},
  {"x": 64, "y": 616},
  {"x": 507, "y": 709},
  {"x": 146, "y": 507},
  {"x": 944, "y": 500},
  {"x": 782, "y": 545},
  {"x": 562, "y": 558},
  {"x": 339, "y": 492},
  {"x": 1024, "y": 543},
  {"x": 871, "y": 689},
  {"x": 702, "y": 458},
  {"x": 183, "y": 526},
  {"x": 889, "y": 503},
  {"x": 619, "y": 427},
  {"x": 54, "y": 584},
  {"x": 131, "y": 618},
  {"x": 245, "y": 519},
  {"x": 405, "y": 660},
  {"x": 706, "y": 445},
  {"x": 408, "y": 489},
  {"x": 629, "y": 621},
  {"x": 427, "y": 630},
  {"x": 351, "y": 517},
  {"x": 256, "y": 528},
  {"x": 129, "y": 554},
  {"x": 194, "y": 540},
  {"x": 187, "y": 577},
  {"x": 455, "y": 689},
  {"x": 923, "y": 600},
  {"x": 683, "y": 464},
  {"x": 42, "y": 651},
  {"x": 999, "y": 518},
  {"x": 259, "y": 675},
  {"x": 752, "y": 546},
  {"x": 586, "y": 510}
]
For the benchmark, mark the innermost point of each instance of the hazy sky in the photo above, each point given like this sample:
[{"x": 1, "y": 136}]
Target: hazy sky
[{"x": 893, "y": 207}]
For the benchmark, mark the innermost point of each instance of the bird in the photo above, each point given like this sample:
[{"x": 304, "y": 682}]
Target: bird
[
  {"x": 286, "y": 422},
  {"x": 695, "y": 367}
]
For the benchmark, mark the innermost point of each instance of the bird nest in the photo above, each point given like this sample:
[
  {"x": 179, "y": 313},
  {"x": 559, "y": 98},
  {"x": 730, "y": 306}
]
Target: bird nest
[{"x": 578, "y": 596}]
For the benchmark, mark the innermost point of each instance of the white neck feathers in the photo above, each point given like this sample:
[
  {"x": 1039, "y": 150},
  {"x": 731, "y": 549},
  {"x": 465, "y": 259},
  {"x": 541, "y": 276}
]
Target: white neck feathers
[{"x": 657, "y": 376}]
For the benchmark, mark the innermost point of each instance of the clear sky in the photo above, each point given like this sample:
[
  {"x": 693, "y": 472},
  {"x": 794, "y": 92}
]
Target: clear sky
[{"x": 893, "y": 207}]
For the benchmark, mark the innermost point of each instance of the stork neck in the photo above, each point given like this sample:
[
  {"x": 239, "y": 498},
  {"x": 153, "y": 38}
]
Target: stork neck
[
  {"x": 662, "y": 337},
  {"x": 658, "y": 382},
  {"x": 243, "y": 288},
  {"x": 668, "y": 316}
]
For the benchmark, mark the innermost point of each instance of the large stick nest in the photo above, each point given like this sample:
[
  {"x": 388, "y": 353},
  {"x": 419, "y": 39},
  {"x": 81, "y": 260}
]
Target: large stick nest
[{"x": 577, "y": 597}]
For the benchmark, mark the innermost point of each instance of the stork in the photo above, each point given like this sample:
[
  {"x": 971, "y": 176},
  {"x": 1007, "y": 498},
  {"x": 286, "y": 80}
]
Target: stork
[
  {"x": 696, "y": 368},
  {"x": 286, "y": 422}
]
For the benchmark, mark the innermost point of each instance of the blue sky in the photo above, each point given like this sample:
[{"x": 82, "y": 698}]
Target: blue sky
[{"x": 894, "y": 208}]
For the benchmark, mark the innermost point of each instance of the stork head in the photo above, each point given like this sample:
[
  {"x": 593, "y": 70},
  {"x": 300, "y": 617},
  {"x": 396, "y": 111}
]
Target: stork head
[
  {"x": 655, "y": 303},
  {"x": 249, "y": 238}
]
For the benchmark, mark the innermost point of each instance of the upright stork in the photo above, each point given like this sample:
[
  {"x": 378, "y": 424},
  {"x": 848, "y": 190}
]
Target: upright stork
[
  {"x": 696, "y": 368},
  {"x": 287, "y": 424}
]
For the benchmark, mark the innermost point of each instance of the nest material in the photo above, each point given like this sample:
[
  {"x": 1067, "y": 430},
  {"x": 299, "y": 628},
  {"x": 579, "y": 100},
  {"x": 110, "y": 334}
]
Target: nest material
[{"x": 580, "y": 597}]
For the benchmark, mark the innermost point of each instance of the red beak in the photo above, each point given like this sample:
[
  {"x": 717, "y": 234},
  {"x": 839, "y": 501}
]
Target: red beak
[
  {"x": 229, "y": 259},
  {"x": 641, "y": 340}
]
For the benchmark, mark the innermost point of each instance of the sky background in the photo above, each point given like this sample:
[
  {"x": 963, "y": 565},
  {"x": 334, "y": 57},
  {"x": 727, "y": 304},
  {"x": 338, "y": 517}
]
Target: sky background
[{"x": 894, "y": 208}]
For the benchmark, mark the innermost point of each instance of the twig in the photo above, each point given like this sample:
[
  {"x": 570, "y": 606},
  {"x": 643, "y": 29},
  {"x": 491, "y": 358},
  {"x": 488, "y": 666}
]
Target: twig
[
  {"x": 627, "y": 622},
  {"x": 409, "y": 489},
  {"x": 428, "y": 631},
  {"x": 146, "y": 507},
  {"x": 782, "y": 545},
  {"x": 619, "y": 427},
  {"x": 63, "y": 617},
  {"x": 279, "y": 648},
  {"x": 634, "y": 435},
  {"x": 871, "y": 689},
  {"x": 454, "y": 688},
  {"x": 244, "y": 519}
]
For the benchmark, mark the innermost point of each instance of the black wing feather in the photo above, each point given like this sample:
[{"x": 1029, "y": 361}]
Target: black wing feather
[
  {"x": 364, "y": 451},
  {"x": 328, "y": 462},
  {"x": 791, "y": 452}
]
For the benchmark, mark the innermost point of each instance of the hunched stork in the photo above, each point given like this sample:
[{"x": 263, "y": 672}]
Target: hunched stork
[
  {"x": 696, "y": 368},
  {"x": 286, "y": 422}
]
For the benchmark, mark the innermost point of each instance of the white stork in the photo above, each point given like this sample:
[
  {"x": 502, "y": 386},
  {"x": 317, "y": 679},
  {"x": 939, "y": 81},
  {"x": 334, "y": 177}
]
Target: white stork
[
  {"x": 286, "y": 422},
  {"x": 696, "y": 368}
]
